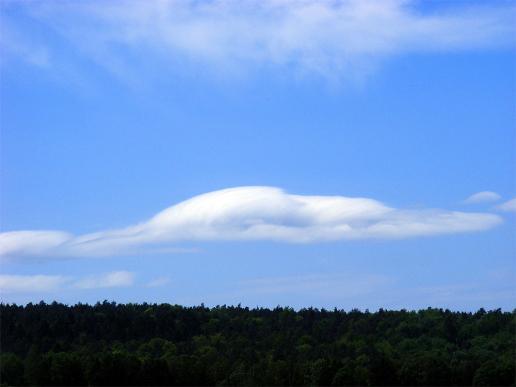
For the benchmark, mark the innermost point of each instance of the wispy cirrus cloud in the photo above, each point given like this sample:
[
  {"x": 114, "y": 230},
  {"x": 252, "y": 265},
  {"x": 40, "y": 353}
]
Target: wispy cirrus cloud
[
  {"x": 10, "y": 283},
  {"x": 483, "y": 197},
  {"x": 509, "y": 206},
  {"x": 339, "y": 39},
  {"x": 341, "y": 285},
  {"x": 251, "y": 213},
  {"x": 15, "y": 43},
  {"x": 158, "y": 282},
  {"x": 109, "y": 280},
  {"x": 13, "y": 283}
]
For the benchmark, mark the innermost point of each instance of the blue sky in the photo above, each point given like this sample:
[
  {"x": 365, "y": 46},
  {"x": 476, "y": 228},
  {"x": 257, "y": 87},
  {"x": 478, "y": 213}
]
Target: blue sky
[{"x": 346, "y": 138}]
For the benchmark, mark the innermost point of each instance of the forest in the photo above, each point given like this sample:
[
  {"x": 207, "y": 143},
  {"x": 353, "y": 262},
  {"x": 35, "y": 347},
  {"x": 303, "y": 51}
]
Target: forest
[{"x": 162, "y": 344}]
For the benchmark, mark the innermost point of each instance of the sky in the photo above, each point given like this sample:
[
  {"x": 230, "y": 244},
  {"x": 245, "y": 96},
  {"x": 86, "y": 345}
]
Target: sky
[{"x": 349, "y": 154}]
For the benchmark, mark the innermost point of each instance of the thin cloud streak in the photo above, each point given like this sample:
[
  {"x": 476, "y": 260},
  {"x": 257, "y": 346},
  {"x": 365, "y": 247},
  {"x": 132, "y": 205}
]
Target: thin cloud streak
[
  {"x": 13, "y": 283},
  {"x": 31, "y": 283},
  {"x": 326, "y": 285},
  {"x": 109, "y": 280},
  {"x": 158, "y": 282},
  {"x": 250, "y": 213},
  {"x": 332, "y": 39},
  {"x": 483, "y": 197},
  {"x": 509, "y": 206}
]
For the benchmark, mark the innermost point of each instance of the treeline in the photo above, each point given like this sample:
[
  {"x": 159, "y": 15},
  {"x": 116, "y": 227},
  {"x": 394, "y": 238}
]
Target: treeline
[{"x": 151, "y": 344}]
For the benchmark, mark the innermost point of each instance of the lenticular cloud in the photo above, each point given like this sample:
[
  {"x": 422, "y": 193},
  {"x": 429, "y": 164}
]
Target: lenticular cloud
[{"x": 250, "y": 213}]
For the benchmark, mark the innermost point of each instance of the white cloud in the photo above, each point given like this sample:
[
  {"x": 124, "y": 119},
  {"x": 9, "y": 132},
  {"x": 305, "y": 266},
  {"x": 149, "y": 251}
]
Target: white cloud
[
  {"x": 457, "y": 295},
  {"x": 327, "y": 285},
  {"x": 252, "y": 213},
  {"x": 31, "y": 242},
  {"x": 30, "y": 283},
  {"x": 13, "y": 283},
  {"x": 483, "y": 197},
  {"x": 109, "y": 280},
  {"x": 14, "y": 44},
  {"x": 509, "y": 205},
  {"x": 331, "y": 38},
  {"x": 157, "y": 282},
  {"x": 348, "y": 289}
]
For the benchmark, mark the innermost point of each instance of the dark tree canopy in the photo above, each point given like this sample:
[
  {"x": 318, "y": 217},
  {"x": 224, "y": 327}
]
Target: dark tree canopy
[{"x": 162, "y": 344}]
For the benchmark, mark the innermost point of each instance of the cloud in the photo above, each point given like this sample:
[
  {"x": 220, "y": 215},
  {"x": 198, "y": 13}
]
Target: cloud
[
  {"x": 483, "y": 197},
  {"x": 329, "y": 38},
  {"x": 455, "y": 296},
  {"x": 30, "y": 283},
  {"x": 157, "y": 282},
  {"x": 326, "y": 285},
  {"x": 13, "y": 43},
  {"x": 317, "y": 289},
  {"x": 31, "y": 242},
  {"x": 251, "y": 213},
  {"x": 509, "y": 206},
  {"x": 10, "y": 283},
  {"x": 109, "y": 280}
]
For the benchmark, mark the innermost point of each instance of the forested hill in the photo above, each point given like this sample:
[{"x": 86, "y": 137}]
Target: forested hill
[{"x": 151, "y": 344}]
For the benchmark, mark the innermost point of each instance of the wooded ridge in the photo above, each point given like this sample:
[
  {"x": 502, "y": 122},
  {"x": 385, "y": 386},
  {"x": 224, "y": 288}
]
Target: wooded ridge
[{"x": 162, "y": 344}]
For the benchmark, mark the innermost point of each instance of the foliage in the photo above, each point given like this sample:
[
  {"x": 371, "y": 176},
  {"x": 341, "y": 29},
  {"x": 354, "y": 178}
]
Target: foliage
[{"x": 151, "y": 344}]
